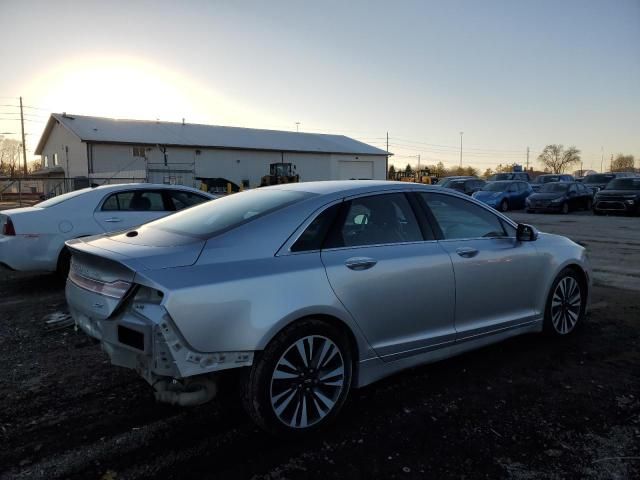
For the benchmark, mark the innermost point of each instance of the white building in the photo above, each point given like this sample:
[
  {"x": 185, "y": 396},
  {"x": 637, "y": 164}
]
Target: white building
[{"x": 82, "y": 147}]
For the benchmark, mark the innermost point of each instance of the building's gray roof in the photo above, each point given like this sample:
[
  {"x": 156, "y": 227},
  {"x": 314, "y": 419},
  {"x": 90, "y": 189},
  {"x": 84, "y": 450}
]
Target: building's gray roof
[{"x": 145, "y": 132}]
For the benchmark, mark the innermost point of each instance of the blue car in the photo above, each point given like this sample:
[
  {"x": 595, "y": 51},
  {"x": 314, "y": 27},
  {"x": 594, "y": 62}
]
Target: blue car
[{"x": 504, "y": 195}]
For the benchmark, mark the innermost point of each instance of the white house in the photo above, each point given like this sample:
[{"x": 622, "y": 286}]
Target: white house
[{"x": 98, "y": 148}]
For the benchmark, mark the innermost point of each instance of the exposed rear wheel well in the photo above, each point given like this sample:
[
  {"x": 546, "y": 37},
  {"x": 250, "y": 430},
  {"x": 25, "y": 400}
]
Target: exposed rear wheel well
[{"x": 336, "y": 322}]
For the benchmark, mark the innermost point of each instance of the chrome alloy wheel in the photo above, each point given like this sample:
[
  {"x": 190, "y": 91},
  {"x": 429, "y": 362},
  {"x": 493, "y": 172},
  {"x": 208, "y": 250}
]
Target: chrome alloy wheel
[
  {"x": 307, "y": 381},
  {"x": 565, "y": 305}
]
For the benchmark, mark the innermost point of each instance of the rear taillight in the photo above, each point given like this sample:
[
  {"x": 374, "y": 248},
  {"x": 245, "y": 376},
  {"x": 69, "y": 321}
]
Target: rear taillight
[
  {"x": 8, "y": 228},
  {"x": 116, "y": 289}
]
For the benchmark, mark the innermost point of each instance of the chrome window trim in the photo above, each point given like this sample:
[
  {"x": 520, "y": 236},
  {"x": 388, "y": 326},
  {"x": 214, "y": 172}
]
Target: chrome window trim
[{"x": 285, "y": 249}]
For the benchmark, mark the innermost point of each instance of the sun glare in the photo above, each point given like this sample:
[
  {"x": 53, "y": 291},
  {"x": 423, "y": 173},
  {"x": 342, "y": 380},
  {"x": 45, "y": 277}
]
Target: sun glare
[{"x": 124, "y": 87}]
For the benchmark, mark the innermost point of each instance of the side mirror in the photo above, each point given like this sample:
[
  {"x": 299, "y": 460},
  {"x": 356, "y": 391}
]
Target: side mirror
[{"x": 526, "y": 233}]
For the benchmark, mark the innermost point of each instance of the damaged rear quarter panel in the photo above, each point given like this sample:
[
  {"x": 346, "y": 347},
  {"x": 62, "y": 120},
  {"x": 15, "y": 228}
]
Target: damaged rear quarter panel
[{"x": 241, "y": 306}]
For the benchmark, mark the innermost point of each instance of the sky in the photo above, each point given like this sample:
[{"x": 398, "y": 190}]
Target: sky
[{"x": 509, "y": 74}]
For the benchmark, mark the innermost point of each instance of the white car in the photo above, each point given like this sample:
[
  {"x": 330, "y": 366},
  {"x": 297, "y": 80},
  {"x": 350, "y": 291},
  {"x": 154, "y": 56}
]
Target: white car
[{"x": 32, "y": 238}]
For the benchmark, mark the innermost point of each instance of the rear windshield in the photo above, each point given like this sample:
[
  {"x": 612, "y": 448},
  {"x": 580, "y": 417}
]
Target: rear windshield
[
  {"x": 547, "y": 179},
  {"x": 211, "y": 218},
  {"x": 598, "y": 178},
  {"x": 555, "y": 187},
  {"x": 500, "y": 176},
  {"x": 624, "y": 184},
  {"x": 61, "y": 198},
  {"x": 496, "y": 187}
]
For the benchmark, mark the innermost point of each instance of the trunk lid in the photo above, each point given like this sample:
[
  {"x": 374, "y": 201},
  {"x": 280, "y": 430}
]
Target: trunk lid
[{"x": 144, "y": 248}]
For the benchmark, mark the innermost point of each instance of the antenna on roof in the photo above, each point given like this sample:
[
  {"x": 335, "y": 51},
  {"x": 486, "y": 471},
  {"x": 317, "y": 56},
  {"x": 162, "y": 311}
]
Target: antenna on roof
[{"x": 183, "y": 121}]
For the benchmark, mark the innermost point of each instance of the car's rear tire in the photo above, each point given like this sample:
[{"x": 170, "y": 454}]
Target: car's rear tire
[
  {"x": 64, "y": 264},
  {"x": 566, "y": 304},
  {"x": 301, "y": 380},
  {"x": 589, "y": 204},
  {"x": 504, "y": 205}
]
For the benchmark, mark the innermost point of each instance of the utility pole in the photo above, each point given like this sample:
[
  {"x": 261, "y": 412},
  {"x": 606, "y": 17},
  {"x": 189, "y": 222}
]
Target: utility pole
[
  {"x": 611, "y": 162},
  {"x": 461, "y": 133},
  {"x": 297, "y": 127},
  {"x": 387, "y": 162},
  {"x": 24, "y": 147},
  {"x": 527, "y": 158},
  {"x": 418, "y": 162},
  {"x": 601, "y": 159}
]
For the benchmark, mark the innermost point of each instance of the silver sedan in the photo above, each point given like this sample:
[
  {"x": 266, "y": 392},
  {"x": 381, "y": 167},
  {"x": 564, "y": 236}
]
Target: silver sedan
[{"x": 309, "y": 290}]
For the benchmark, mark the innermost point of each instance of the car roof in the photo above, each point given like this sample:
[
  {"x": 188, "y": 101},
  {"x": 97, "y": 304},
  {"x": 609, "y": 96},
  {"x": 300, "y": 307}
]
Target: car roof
[{"x": 350, "y": 186}]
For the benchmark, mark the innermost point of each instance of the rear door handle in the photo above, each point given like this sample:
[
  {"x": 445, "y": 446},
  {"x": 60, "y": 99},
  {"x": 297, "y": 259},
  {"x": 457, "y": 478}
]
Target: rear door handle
[
  {"x": 467, "y": 252},
  {"x": 360, "y": 263},
  {"x": 113, "y": 220}
]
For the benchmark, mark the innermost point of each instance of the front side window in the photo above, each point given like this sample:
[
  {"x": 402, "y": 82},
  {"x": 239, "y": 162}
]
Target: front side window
[
  {"x": 376, "y": 220},
  {"x": 182, "y": 199},
  {"x": 459, "y": 218}
]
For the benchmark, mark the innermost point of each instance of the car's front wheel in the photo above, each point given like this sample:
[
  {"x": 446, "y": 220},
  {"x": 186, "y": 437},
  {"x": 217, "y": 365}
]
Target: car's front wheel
[
  {"x": 504, "y": 205},
  {"x": 566, "y": 304},
  {"x": 299, "y": 383}
]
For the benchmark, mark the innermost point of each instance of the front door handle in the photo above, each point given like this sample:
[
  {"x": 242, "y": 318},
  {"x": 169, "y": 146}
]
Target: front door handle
[
  {"x": 113, "y": 219},
  {"x": 360, "y": 263},
  {"x": 467, "y": 252}
]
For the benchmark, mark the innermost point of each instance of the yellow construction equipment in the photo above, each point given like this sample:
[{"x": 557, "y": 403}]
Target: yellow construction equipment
[{"x": 280, "y": 173}]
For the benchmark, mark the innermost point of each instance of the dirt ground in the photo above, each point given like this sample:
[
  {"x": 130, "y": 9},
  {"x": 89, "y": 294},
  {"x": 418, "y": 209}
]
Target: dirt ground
[{"x": 528, "y": 408}]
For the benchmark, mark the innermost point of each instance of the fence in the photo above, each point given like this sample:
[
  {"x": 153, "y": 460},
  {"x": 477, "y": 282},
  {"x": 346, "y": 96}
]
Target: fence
[{"x": 26, "y": 191}]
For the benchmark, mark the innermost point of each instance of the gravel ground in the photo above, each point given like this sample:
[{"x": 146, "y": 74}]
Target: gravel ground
[{"x": 527, "y": 408}]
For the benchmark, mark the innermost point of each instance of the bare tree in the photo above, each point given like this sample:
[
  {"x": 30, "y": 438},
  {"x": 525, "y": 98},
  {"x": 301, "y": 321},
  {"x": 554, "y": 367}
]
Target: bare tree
[
  {"x": 34, "y": 166},
  {"x": 10, "y": 151},
  {"x": 623, "y": 163},
  {"x": 557, "y": 159}
]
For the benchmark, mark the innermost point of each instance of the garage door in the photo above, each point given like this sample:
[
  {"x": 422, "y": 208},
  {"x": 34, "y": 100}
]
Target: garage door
[{"x": 348, "y": 170}]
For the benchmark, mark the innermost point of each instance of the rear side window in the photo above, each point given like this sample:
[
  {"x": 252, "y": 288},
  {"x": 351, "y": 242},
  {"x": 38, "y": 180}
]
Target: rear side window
[
  {"x": 459, "y": 218},
  {"x": 314, "y": 235},
  {"x": 182, "y": 199},
  {"x": 376, "y": 220},
  {"x": 135, "y": 201},
  {"x": 211, "y": 218}
]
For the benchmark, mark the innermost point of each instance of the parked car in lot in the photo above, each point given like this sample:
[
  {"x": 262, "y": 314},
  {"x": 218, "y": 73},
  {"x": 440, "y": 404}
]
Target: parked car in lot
[
  {"x": 598, "y": 181},
  {"x": 289, "y": 287},
  {"x": 541, "y": 180},
  {"x": 504, "y": 195},
  {"x": 468, "y": 185},
  {"x": 560, "y": 197},
  {"x": 621, "y": 195},
  {"x": 32, "y": 238},
  {"x": 524, "y": 176}
]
